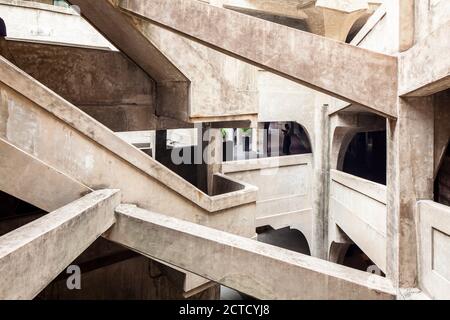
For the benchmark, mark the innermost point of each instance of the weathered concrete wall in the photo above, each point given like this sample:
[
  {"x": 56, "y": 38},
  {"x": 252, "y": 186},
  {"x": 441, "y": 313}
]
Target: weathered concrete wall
[
  {"x": 430, "y": 16},
  {"x": 425, "y": 68},
  {"x": 48, "y": 23},
  {"x": 221, "y": 86},
  {"x": 104, "y": 84},
  {"x": 284, "y": 190},
  {"x": 434, "y": 249}
]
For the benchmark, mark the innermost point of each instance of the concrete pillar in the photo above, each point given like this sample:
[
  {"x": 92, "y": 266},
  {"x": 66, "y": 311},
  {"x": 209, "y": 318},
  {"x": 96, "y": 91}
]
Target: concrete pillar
[
  {"x": 320, "y": 182},
  {"x": 212, "y": 154},
  {"x": 410, "y": 169},
  {"x": 153, "y": 143},
  {"x": 255, "y": 138},
  {"x": 262, "y": 139}
]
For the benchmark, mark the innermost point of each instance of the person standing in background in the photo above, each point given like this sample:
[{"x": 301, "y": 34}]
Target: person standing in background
[{"x": 287, "y": 140}]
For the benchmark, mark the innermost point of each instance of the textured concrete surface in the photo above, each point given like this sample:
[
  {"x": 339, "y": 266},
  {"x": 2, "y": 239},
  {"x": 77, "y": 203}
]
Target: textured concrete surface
[
  {"x": 284, "y": 189},
  {"x": 358, "y": 207},
  {"x": 249, "y": 262},
  {"x": 33, "y": 255},
  {"x": 358, "y": 79},
  {"x": 45, "y": 23},
  {"x": 18, "y": 172},
  {"x": 425, "y": 68},
  {"x": 172, "y": 84}
]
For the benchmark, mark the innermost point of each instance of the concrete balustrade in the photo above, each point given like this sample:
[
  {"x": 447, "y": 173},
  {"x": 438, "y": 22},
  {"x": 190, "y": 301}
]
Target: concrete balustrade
[
  {"x": 358, "y": 207},
  {"x": 284, "y": 189}
]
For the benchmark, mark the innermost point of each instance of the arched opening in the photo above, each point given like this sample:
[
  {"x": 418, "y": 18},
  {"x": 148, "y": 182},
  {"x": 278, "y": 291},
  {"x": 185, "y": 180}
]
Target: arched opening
[
  {"x": 287, "y": 138},
  {"x": 286, "y": 238},
  {"x": 442, "y": 180},
  {"x": 365, "y": 156},
  {"x": 271, "y": 139}
]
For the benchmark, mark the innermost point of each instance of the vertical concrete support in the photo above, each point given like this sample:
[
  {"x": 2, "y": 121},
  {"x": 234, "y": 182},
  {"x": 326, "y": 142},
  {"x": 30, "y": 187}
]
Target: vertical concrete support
[
  {"x": 255, "y": 139},
  {"x": 213, "y": 154},
  {"x": 409, "y": 179},
  {"x": 320, "y": 182},
  {"x": 262, "y": 139}
]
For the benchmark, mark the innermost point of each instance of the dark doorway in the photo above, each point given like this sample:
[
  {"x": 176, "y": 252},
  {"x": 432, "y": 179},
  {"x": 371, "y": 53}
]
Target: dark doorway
[
  {"x": 442, "y": 181},
  {"x": 366, "y": 156}
]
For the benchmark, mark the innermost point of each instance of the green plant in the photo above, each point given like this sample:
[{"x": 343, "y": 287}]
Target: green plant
[
  {"x": 224, "y": 133},
  {"x": 246, "y": 131}
]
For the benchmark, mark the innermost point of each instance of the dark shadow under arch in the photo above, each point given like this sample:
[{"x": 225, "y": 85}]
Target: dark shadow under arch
[
  {"x": 366, "y": 155},
  {"x": 442, "y": 180}
]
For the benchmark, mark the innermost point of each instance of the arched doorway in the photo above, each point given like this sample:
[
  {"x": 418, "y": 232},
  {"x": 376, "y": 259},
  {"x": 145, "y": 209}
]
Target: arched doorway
[{"x": 276, "y": 131}]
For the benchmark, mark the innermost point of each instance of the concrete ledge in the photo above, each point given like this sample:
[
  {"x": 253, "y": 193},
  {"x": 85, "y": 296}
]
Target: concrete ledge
[
  {"x": 371, "y": 189},
  {"x": 33, "y": 255},
  {"x": 266, "y": 163},
  {"x": 38, "y": 6},
  {"x": 260, "y": 270}
]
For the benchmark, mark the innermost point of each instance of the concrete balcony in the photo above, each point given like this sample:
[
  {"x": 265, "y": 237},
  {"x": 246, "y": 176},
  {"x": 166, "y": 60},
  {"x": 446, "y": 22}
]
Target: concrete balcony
[
  {"x": 284, "y": 190},
  {"x": 358, "y": 207}
]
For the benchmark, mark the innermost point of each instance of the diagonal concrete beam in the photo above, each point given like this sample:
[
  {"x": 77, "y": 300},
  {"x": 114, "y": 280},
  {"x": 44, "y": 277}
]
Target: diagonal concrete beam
[
  {"x": 33, "y": 255},
  {"x": 29, "y": 179},
  {"x": 349, "y": 73},
  {"x": 249, "y": 266},
  {"x": 425, "y": 68},
  {"x": 119, "y": 29}
]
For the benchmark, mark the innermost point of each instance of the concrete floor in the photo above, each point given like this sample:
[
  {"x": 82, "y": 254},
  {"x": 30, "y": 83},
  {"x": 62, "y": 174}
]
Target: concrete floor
[{"x": 284, "y": 238}]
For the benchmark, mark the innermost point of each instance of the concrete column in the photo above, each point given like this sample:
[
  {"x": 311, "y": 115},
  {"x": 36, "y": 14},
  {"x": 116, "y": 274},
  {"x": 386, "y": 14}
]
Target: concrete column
[
  {"x": 153, "y": 143},
  {"x": 262, "y": 139},
  {"x": 255, "y": 138},
  {"x": 320, "y": 182},
  {"x": 213, "y": 154},
  {"x": 410, "y": 141}
]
